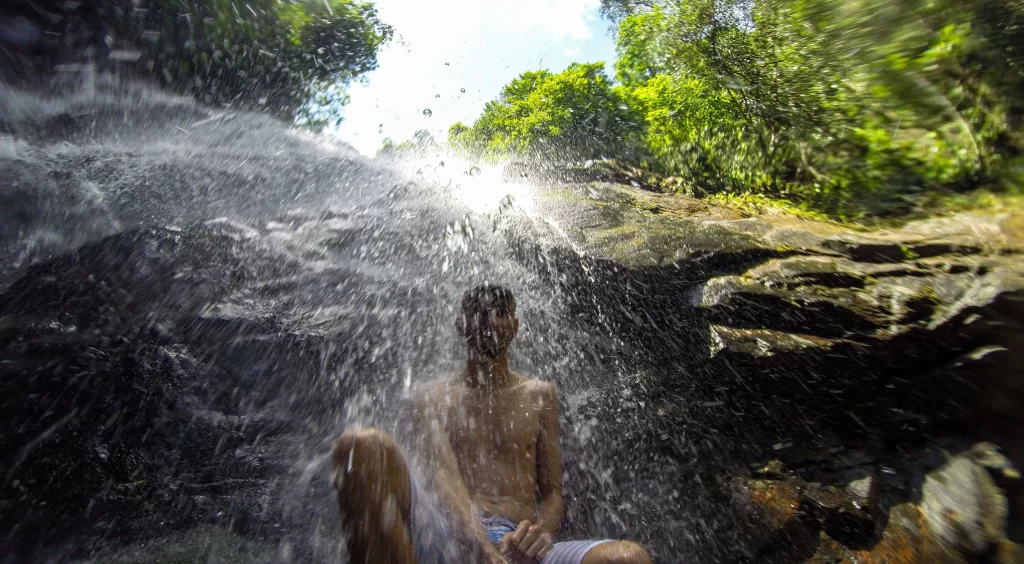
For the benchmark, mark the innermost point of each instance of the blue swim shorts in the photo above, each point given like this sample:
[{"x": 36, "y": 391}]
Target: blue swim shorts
[
  {"x": 569, "y": 552},
  {"x": 432, "y": 535}
]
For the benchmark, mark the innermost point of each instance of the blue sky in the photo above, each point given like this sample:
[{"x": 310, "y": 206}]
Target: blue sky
[{"x": 442, "y": 47}]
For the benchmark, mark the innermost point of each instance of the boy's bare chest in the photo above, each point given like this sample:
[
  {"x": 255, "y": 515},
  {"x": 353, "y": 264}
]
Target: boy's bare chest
[{"x": 502, "y": 424}]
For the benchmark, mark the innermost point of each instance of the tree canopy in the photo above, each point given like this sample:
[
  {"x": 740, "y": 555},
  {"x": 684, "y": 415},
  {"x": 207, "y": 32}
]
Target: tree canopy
[
  {"x": 294, "y": 58},
  {"x": 576, "y": 113},
  {"x": 848, "y": 106}
]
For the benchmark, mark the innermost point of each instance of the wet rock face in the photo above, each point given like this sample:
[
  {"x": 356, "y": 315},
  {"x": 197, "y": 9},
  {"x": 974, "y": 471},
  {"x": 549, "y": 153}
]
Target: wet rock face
[
  {"x": 43, "y": 216},
  {"x": 837, "y": 386},
  {"x": 162, "y": 380},
  {"x": 759, "y": 389},
  {"x": 150, "y": 382},
  {"x": 187, "y": 322},
  {"x": 111, "y": 421}
]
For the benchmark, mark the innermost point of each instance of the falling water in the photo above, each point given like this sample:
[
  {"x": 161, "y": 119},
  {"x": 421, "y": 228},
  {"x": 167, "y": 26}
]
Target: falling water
[{"x": 281, "y": 287}]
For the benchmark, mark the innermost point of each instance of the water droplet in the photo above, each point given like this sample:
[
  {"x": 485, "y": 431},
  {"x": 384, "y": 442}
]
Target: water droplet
[
  {"x": 463, "y": 90},
  {"x": 437, "y": 95},
  {"x": 129, "y": 55},
  {"x": 458, "y": 235},
  {"x": 427, "y": 112},
  {"x": 507, "y": 204},
  {"x": 474, "y": 171}
]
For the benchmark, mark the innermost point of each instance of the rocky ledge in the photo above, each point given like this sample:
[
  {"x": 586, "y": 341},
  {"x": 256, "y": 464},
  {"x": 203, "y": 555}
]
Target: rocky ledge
[{"x": 852, "y": 395}]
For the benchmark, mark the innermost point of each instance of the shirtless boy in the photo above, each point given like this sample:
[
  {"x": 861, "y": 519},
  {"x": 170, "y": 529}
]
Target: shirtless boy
[{"x": 488, "y": 441}]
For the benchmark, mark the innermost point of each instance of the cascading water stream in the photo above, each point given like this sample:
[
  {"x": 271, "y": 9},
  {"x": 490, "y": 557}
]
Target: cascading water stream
[
  {"x": 195, "y": 302},
  {"x": 279, "y": 287}
]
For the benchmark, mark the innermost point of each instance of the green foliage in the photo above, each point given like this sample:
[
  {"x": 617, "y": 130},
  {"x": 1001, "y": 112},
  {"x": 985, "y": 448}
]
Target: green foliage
[
  {"x": 742, "y": 91},
  {"x": 750, "y": 96},
  {"x": 576, "y": 113},
  {"x": 850, "y": 107},
  {"x": 759, "y": 204},
  {"x": 294, "y": 58},
  {"x": 640, "y": 47}
]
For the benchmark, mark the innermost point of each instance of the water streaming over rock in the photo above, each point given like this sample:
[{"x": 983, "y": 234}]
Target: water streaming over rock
[
  {"x": 194, "y": 302},
  {"x": 241, "y": 291}
]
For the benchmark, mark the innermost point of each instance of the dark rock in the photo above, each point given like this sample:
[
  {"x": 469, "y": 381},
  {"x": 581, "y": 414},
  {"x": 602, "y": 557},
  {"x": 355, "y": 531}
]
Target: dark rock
[
  {"x": 849, "y": 359},
  {"x": 112, "y": 422},
  {"x": 762, "y": 389},
  {"x": 44, "y": 215},
  {"x": 964, "y": 508}
]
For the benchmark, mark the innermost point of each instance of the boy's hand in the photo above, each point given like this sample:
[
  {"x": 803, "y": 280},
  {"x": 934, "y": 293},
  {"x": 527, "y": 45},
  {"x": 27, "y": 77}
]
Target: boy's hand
[
  {"x": 489, "y": 554},
  {"x": 528, "y": 543}
]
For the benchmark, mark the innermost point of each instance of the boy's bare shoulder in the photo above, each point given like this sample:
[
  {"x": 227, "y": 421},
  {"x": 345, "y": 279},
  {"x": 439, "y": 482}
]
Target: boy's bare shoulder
[{"x": 539, "y": 388}]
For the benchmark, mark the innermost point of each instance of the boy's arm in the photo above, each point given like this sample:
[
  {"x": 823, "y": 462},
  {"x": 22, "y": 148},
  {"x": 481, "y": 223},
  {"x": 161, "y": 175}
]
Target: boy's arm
[
  {"x": 445, "y": 480},
  {"x": 549, "y": 462}
]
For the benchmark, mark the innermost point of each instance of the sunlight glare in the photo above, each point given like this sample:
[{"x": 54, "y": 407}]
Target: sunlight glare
[{"x": 486, "y": 191}]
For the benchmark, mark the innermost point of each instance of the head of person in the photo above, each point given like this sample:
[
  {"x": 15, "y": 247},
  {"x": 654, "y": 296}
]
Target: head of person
[{"x": 488, "y": 321}]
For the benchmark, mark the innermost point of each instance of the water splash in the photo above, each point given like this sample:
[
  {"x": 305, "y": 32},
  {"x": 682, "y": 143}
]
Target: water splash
[
  {"x": 458, "y": 234},
  {"x": 291, "y": 287}
]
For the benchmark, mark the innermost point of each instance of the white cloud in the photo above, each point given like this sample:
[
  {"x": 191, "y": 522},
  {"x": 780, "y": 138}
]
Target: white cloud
[{"x": 443, "y": 47}]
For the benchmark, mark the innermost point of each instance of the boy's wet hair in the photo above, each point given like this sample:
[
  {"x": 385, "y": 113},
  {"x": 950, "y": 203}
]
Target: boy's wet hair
[{"x": 499, "y": 297}]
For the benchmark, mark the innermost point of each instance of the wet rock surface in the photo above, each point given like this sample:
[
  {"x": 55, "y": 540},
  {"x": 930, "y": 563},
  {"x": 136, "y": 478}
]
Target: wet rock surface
[
  {"x": 842, "y": 388},
  {"x": 116, "y": 421},
  {"x": 187, "y": 382},
  {"x": 179, "y": 321},
  {"x": 177, "y": 355}
]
